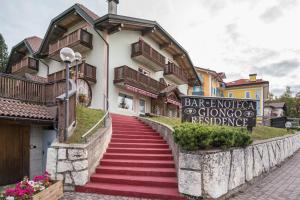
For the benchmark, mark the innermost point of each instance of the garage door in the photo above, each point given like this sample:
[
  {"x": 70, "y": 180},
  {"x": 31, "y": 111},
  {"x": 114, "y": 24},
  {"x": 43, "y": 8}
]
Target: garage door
[{"x": 14, "y": 152}]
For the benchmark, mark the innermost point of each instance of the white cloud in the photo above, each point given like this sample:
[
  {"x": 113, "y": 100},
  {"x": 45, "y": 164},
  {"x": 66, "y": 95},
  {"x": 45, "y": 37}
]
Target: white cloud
[{"x": 231, "y": 36}]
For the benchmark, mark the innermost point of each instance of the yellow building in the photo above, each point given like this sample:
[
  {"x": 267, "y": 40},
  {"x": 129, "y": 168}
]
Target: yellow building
[
  {"x": 251, "y": 88},
  {"x": 211, "y": 83}
]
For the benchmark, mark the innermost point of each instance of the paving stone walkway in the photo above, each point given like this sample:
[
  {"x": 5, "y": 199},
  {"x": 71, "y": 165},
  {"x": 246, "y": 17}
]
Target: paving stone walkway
[
  {"x": 281, "y": 184},
  {"x": 90, "y": 196}
]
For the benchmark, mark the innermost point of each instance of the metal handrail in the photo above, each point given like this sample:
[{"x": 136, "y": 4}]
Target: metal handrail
[{"x": 91, "y": 129}]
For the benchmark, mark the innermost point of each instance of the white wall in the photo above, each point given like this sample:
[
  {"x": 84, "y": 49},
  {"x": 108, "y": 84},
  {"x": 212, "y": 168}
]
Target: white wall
[{"x": 120, "y": 54}]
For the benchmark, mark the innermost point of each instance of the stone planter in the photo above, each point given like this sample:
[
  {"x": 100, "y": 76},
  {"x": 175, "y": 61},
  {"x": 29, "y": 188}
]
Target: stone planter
[{"x": 53, "y": 192}]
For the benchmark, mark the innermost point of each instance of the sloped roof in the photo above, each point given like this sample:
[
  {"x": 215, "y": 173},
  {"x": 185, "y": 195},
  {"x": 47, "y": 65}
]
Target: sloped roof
[
  {"x": 14, "y": 108},
  {"x": 169, "y": 89},
  {"x": 90, "y": 13},
  {"x": 244, "y": 82},
  {"x": 275, "y": 105},
  {"x": 34, "y": 43}
]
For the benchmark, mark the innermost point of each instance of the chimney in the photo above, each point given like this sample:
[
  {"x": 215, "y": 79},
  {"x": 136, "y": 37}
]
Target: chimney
[
  {"x": 252, "y": 77},
  {"x": 112, "y": 6}
]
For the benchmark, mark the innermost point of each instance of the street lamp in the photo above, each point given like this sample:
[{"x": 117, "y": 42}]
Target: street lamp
[
  {"x": 78, "y": 58},
  {"x": 67, "y": 55}
]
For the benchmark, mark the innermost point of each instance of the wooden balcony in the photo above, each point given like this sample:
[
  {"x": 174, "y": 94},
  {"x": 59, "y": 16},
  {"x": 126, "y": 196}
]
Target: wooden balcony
[
  {"x": 79, "y": 40},
  {"x": 175, "y": 73},
  {"x": 86, "y": 71},
  {"x": 144, "y": 53},
  {"x": 126, "y": 76},
  {"x": 26, "y": 65}
]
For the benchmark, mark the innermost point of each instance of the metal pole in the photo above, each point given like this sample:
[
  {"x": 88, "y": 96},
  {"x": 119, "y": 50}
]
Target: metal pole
[
  {"x": 67, "y": 102},
  {"x": 76, "y": 81}
]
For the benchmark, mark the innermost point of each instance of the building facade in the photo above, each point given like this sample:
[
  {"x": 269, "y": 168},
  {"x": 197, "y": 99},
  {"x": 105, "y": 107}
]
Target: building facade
[
  {"x": 252, "y": 88},
  {"x": 212, "y": 84}
]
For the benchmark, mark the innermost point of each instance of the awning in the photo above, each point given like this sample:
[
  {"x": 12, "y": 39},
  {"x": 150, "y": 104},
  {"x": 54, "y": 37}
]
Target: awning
[
  {"x": 171, "y": 101},
  {"x": 140, "y": 91}
]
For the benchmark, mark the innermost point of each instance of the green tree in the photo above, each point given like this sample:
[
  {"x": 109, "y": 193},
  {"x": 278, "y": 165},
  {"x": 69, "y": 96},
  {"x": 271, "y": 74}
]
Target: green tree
[{"x": 3, "y": 54}]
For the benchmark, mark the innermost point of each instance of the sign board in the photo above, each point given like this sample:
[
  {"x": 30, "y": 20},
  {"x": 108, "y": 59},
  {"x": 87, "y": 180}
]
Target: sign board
[{"x": 219, "y": 111}]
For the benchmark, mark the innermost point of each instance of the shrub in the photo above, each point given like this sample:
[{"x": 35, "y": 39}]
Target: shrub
[{"x": 193, "y": 137}]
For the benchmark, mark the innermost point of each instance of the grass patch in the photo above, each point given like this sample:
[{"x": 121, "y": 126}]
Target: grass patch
[
  {"x": 259, "y": 132},
  {"x": 167, "y": 120},
  {"x": 264, "y": 132},
  {"x": 86, "y": 119}
]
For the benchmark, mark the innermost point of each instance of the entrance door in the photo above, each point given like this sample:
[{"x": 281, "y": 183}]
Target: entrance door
[
  {"x": 14, "y": 153},
  {"x": 142, "y": 106}
]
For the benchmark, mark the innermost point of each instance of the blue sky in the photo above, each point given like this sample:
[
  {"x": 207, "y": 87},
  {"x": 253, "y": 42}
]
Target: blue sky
[{"x": 235, "y": 36}]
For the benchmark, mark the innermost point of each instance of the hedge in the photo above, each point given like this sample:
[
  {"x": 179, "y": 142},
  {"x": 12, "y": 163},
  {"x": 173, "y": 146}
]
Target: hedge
[{"x": 193, "y": 137}]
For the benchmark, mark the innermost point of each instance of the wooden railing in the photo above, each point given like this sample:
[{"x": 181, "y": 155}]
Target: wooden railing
[
  {"x": 79, "y": 36},
  {"x": 142, "y": 48},
  {"x": 171, "y": 68},
  {"x": 13, "y": 87},
  {"x": 134, "y": 78},
  {"x": 21, "y": 89},
  {"x": 27, "y": 62},
  {"x": 86, "y": 71}
]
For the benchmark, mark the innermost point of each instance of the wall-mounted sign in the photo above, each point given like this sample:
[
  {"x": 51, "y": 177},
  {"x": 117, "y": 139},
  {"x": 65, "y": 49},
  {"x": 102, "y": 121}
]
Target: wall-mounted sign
[{"x": 219, "y": 111}]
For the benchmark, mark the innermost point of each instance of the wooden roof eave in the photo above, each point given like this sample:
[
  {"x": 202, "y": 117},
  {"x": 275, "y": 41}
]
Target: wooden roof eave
[{"x": 129, "y": 23}]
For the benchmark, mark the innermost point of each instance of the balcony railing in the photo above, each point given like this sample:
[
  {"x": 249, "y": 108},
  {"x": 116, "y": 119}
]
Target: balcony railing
[
  {"x": 129, "y": 76},
  {"x": 86, "y": 71},
  {"x": 79, "y": 40},
  {"x": 144, "y": 53},
  {"x": 26, "y": 65},
  {"x": 175, "y": 73}
]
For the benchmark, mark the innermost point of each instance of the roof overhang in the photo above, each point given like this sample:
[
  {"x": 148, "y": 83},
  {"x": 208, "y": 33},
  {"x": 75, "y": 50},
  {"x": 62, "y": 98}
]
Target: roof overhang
[{"x": 113, "y": 23}]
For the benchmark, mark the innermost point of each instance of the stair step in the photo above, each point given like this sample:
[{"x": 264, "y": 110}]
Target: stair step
[
  {"x": 138, "y": 156},
  {"x": 123, "y": 136},
  {"x": 135, "y": 180},
  {"x": 118, "y": 140},
  {"x": 139, "y": 145},
  {"x": 138, "y": 150},
  {"x": 138, "y": 163},
  {"x": 131, "y": 191},
  {"x": 137, "y": 171},
  {"x": 135, "y": 132},
  {"x": 133, "y": 129}
]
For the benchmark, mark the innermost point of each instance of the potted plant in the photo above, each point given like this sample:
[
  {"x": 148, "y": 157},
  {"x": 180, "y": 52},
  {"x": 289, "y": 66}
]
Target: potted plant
[
  {"x": 41, "y": 187},
  {"x": 82, "y": 98}
]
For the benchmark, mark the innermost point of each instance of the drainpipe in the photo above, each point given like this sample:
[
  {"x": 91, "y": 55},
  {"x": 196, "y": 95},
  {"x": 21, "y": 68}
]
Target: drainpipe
[{"x": 107, "y": 65}]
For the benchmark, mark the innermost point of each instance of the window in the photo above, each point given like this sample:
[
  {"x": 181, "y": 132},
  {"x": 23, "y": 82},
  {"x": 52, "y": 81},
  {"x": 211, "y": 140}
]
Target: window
[
  {"x": 247, "y": 95},
  {"x": 144, "y": 71},
  {"x": 125, "y": 101},
  {"x": 230, "y": 94},
  {"x": 258, "y": 109}
]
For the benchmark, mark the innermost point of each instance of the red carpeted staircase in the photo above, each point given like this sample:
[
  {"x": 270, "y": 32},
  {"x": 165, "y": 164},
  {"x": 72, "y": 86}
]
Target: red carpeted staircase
[{"x": 137, "y": 163}]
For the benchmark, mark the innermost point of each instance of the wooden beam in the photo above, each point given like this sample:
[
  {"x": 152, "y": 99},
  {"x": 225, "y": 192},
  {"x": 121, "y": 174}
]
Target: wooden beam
[
  {"x": 115, "y": 29},
  {"x": 166, "y": 45},
  {"x": 175, "y": 57},
  {"x": 148, "y": 31}
]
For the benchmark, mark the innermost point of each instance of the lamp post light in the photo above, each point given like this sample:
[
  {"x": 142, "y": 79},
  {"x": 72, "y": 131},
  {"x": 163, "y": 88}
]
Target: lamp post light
[
  {"x": 67, "y": 55},
  {"x": 78, "y": 58}
]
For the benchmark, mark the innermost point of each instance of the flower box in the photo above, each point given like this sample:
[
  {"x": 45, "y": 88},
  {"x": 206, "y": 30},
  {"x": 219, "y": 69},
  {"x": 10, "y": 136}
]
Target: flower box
[{"x": 53, "y": 192}]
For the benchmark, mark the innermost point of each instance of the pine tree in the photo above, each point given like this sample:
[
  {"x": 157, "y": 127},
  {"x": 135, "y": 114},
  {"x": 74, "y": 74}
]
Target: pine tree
[{"x": 3, "y": 54}]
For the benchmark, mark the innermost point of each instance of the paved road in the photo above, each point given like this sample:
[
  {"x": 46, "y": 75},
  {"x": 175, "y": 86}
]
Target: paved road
[{"x": 281, "y": 184}]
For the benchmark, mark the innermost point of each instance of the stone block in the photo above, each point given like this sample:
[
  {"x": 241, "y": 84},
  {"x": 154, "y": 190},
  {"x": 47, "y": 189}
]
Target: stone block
[
  {"x": 77, "y": 154},
  {"x": 80, "y": 178},
  {"x": 190, "y": 161},
  {"x": 237, "y": 172},
  {"x": 64, "y": 166},
  {"x": 51, "y": 162},
  {"x": 249, "y": 163},
  {"x": 216, "y": 169},
  {"x": 68, "y": 179},
  {"x": 80, "y": 165},
  {"x": 62, "y": 154},
  {"x": 190, "y": 182}
]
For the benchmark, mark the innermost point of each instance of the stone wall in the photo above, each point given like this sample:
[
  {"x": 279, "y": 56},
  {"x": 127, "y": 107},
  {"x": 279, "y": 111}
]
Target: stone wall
[
  {"x": 75, "y": 163},
  {"x": 216, "y": 173}
]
